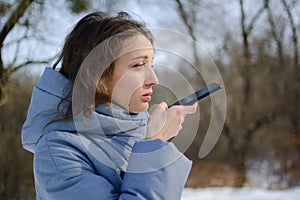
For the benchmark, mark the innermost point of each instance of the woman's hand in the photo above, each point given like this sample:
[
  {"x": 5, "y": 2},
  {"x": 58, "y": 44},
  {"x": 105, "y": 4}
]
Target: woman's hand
[{"x": 165, "y": 123}]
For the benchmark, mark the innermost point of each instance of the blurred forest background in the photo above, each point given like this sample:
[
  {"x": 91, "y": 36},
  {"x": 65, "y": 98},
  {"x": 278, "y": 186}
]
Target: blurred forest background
[{"x": 255, "y": 45}]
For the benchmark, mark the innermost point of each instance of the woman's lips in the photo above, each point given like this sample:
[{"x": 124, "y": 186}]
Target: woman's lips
[{"x": 147, "y": 96}]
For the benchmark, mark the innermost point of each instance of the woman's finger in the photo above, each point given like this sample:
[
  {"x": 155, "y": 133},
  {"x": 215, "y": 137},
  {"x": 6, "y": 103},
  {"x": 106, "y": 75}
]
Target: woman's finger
[
  {"x": 189, "y": 109},
  {"x": 163, "y": 105}
]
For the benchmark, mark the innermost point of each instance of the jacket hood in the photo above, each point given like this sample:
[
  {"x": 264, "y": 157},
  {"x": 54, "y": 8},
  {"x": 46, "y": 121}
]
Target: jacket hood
[{"x": 105, "y": 120}]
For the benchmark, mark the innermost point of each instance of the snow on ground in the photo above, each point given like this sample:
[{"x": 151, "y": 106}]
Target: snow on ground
[{"x": 227, "y": 193}]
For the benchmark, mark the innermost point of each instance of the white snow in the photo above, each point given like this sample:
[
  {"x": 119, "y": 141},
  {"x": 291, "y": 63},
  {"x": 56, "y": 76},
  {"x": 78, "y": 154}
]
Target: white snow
[{"x": 228, "y": 193}]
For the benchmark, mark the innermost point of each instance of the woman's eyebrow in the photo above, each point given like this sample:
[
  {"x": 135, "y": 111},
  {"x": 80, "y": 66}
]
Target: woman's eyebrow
[
  {"x": 139, "y": 57},
  {"x": 145, "y": 57}
]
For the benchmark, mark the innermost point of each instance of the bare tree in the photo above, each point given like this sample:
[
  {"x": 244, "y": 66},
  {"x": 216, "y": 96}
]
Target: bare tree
[
  {"x": 278, "y": 37},
  {"x": 8, "y": 26},
  {"x": 16, "y": 182},
  {"x": 295, "y": 115},
  {"x": 241, "y": 132},
  {"x": 190, "y": 22},
  {"x": 239, "y": 137}
]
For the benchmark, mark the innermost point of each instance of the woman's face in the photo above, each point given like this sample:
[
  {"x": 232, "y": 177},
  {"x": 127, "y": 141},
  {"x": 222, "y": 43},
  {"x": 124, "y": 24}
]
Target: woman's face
[{"x": 133, "y": 75}]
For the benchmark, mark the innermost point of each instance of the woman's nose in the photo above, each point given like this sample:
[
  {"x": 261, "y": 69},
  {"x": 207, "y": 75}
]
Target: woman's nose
[{"x": 151, "y": 78}]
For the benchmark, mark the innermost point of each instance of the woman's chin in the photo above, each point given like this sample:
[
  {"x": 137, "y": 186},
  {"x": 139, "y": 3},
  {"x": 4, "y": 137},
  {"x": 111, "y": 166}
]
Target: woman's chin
[{"x": 142, "y": 107}]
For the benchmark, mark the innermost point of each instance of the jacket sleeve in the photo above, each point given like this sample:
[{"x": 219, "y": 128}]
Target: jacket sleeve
[
  {"x": 156, "y": 170},
  {"x": 63, "y": 172}
]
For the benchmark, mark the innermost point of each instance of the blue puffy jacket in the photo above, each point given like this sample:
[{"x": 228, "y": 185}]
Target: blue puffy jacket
[{"x": 106, "y": 158}]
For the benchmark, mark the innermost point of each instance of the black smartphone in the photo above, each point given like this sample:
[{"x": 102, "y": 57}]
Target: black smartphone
[{"x": 199, "y": 95}]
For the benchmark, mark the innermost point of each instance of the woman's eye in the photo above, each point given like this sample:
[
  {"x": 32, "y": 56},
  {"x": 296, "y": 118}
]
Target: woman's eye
[{"x": 140, "y": 65}]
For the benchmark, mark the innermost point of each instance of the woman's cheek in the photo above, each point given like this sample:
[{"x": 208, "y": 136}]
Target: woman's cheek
[{"x": 125, "y": 88}]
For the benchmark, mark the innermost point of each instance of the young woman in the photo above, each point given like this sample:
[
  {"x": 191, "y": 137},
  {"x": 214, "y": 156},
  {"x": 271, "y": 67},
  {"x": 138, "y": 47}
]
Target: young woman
[{"x": 88, "y": 125}]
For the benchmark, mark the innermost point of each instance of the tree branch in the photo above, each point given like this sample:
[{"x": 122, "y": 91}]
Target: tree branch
[
  {"x": 227, "y": 131},
  {"x": 256, "y": 17},
  {"x": 13, "y": 19},
  {"x": 274, "y": 34},
  {"x": 11, "y": 69},
  {"x": 10, "y": 23},
  {"x": 185, "y": 19},
  {"x": 189, "y": 25},
  {"x": 244, "y": 31},
  {"x": 294, "y": 32},
  {"x": 253, "y": 127},
  {"x": 247, "y": 30},
  {"x": 295, "y": 115}
]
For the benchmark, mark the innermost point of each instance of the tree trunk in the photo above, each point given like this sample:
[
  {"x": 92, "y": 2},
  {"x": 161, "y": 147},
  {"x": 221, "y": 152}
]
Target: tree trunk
[{"x": 237, "y": 162}]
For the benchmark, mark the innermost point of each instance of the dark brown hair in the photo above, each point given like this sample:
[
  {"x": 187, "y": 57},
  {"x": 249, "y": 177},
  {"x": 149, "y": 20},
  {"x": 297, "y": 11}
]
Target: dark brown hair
[{"x": 91, "y": 31}]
